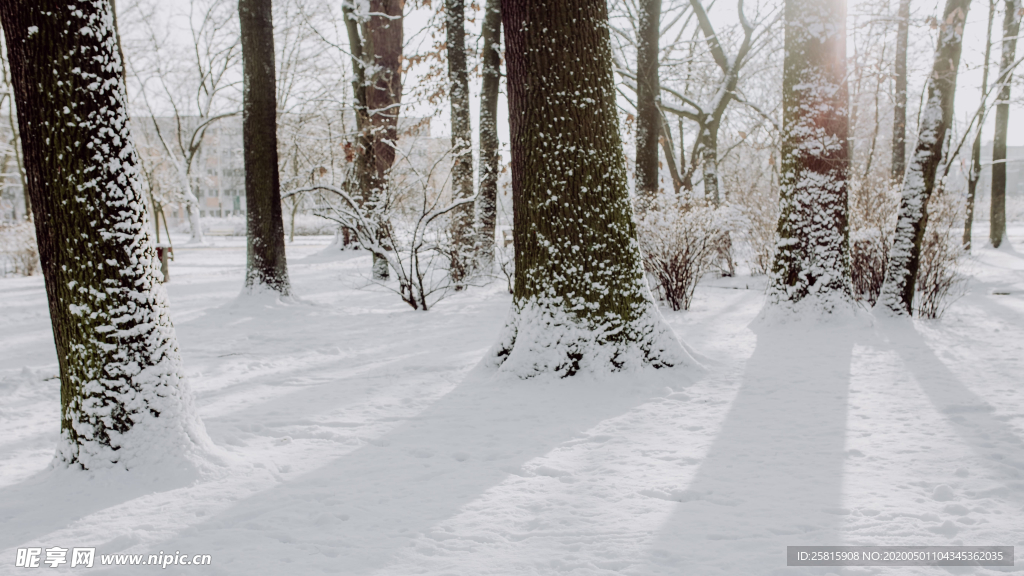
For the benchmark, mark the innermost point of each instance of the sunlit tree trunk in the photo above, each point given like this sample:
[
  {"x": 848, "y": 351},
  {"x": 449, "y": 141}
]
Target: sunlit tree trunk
[
  {"x": 897, "y": 294},
  {"x": 1012, "y": 12},
  {"x": 124, "y": 398},
  {"x": 266, "y": 266},
  {"x": 581, "y": 300},
  {"x": 812, "y": 261}
]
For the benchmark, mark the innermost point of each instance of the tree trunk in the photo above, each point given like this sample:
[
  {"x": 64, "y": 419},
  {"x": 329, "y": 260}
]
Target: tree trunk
[
  {"x": 461, "y": 223},
  {"x": 899, "y": 120},
  {"x": 709, "y": 163},
  {"x": 812, "y": 262},
  {"x": 648, "y": 99},
  {"x": 975, "y": 173},
  {"x": 487, "y": 201},
  {"x": 997, "y": 215},
  {"x": 382, "y": 47},
  {"x": 897, "y": 294},
  {"x": 363, "y": 162},
  {"x": 581, "y": 300},
  {"x": 124, "y": 397},
  {"x": 266, "y": 267}
]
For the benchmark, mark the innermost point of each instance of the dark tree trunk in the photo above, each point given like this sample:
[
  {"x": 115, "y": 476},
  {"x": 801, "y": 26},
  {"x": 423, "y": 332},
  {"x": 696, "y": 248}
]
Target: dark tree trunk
[
  {"x": 124, "y": 398},
  {"x": 487, "y": 200},
  {"x": 364, "y": 164},
  {"x": 382, "y": 47},
  {"x": 648, "y": 99},
  {"x": 975, "y": 173},
  {"x": 461, "y": 224},
  {"x": 997, "y": 216},
  {"x": 905, "y": 257},
  {"x": 899, "y": 120},
  {"x": 266, "y": 266},
  {"x": 812, "y": 261},
  {"x": 581, "y": 300}
]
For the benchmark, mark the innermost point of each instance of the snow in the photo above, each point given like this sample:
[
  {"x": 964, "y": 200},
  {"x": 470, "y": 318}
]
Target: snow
[{"x": 360, "y": 437}]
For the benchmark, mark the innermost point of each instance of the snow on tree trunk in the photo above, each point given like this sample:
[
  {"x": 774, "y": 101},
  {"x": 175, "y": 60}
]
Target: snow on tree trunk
[
  {"x": 581, "y": 300},
  {"x": 975, "y": 172},
  {"x": 486, "y": 208},
  {"x": 897, "y": 294},
  {"x": 1012, "y": 11},
  {"x": 266, "y": 267},
  {"x": 812, "y": 261},
  {"x": 382, "y": 50},
  {"x": 124, "y": 398},
  {"x": 899, "y": 120},
  {"x": 648, "y": 97},
  {"x": 709, "y": 163},
  {"x": 461, "y": 223}
]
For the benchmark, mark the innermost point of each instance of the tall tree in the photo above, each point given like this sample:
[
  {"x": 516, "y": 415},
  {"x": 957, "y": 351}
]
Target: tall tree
[
  {"x": 1012, "y": 13},
  {"x": 812, "y": 260},
  {"x": 648, "y": 99},
  {"x": 975, "y": 172},
  {"x": 899, "y": 120},
  {"x": 581, "y": 301},
  {"x": 382, "y": 48},
  {"x": 461, "y": 229},
  {"x": 266, "y": 266},
  {"x": 897, "y": 294},
  {"x": 487, "y": 196},
  {"x": 124, "y": 397},
  {"x": 375, "y": 32}
]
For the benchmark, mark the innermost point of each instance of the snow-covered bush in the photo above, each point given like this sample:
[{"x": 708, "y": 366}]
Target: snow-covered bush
[
  {"x": 19, "y": 254},
  {"x": 872, "y": 212},
  {"x": 872, "y": 223},
  {"x": 869, "y": 254},
  {"x": 939, "y": 278},
  {"x": 406, "y": 226},
  {"x": 680, "y": 242}
]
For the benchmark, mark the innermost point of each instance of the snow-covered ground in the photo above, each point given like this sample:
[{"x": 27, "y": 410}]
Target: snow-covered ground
[{"x": 357, "y": 438}]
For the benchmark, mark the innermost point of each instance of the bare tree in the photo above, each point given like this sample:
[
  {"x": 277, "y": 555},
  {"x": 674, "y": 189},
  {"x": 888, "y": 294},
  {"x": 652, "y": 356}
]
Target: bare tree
[
  {"x": 266, "y": 267},
  {"x": 486, "y": 209},
  {"x": 1013, "y": 11},
  {"x": 897, "y": 294},
  {"x": 192, "y": 93}
]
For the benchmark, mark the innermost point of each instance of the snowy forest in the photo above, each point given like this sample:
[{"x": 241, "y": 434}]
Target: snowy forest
[{"x": 588, "y": 287}]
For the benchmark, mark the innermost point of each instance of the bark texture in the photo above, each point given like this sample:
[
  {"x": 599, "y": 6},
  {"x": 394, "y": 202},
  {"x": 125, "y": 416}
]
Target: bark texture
[
  {"x": 897, "y": 294},
  {"x": 461, "y": 226},
  {"x": 899, "y": 120},
  {"x": 487, "y": 200},
  {"x": 975, "y": 172},
  {"x": 812, "y": 260},
  {"x": 648, "y": 99},
  {"x": 124, "y": 398},
  {"x": 581, "y": 300},
  {"x": 1011, "y": 28},
  {"x": 383, "y": 49},
  {"x": 266, "y": 266}
]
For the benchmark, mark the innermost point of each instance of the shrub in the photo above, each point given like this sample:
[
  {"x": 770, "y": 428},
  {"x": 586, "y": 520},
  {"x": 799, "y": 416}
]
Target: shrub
[
  {"x": 19, "y": 252},
  {"x": 680, "y": 243}
]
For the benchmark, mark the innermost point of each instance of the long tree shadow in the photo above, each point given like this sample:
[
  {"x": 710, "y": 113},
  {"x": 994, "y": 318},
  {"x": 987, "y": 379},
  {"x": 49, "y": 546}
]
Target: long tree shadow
[
  {"x": 998, "y": 446},
  {"x": 353, "y": 514},
  {"x": 773, "y": 476}
]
